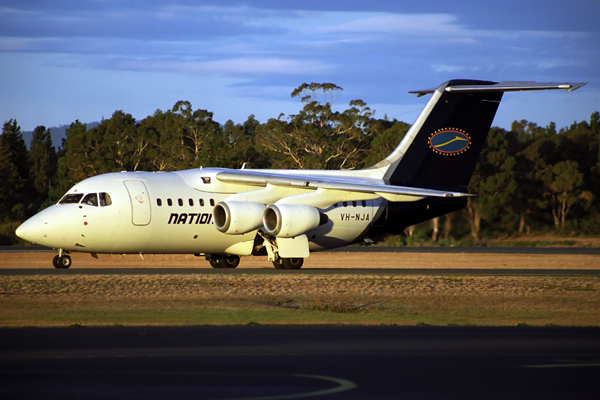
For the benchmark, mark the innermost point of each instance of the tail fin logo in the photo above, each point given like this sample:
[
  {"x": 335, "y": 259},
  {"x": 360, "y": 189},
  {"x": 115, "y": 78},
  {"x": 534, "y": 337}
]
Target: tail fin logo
[{"x": 449, "y": 141}]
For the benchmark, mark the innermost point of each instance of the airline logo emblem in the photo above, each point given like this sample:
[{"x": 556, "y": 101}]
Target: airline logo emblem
[{"x": 449, "y": 141}]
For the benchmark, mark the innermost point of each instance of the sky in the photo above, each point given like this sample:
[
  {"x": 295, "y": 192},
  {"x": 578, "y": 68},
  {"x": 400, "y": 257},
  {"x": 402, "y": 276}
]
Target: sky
[{"x": 67, "y": 60}]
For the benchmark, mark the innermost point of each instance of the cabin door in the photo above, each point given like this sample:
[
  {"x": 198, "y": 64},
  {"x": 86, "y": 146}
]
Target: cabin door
[{"x": 140, "y": 202}]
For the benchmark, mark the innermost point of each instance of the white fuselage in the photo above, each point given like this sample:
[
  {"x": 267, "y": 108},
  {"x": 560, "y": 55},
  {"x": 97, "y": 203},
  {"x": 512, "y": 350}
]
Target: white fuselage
[{"x": 171, "y": 212}]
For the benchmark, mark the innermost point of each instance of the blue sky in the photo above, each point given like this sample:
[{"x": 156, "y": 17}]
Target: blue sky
[{"x": 64, "y": 60}]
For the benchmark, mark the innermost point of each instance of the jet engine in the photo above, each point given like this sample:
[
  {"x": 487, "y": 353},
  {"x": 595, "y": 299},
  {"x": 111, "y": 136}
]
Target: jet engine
[
  {"x": 238, "y": 217},
  {"x": 290, "y": 220}
]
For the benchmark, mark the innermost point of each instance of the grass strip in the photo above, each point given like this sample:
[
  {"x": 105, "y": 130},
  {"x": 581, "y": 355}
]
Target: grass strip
[{"x": 81, "y": 300}]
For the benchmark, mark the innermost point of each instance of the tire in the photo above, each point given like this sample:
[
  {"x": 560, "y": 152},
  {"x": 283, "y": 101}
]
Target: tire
[
  {"x": 63, "y": 262},
  {"x": 288, "y": 263},
  {"x": 225, "y": 262}
]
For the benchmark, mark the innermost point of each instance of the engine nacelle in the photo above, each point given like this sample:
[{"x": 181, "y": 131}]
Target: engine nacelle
[
  {"x": 290, "y": 220},
  {"x": 238, "y": 217}
]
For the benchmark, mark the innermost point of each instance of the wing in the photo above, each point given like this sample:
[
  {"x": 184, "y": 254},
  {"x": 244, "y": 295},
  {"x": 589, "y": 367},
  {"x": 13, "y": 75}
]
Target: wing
[{"x": 333, "y": 183}]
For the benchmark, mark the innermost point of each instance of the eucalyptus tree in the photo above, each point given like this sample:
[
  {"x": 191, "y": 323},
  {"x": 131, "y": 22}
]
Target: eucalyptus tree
[{"x": 319, "y": 137}]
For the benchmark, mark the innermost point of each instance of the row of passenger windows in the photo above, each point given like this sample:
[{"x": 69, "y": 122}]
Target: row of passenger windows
[
  {"x": 90, "y": 199},
  {"x": 353, "y": 203},
  {"x": 159, "y": 202}
]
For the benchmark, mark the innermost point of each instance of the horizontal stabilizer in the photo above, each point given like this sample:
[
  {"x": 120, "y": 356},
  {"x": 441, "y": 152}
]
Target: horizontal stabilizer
[{"x": 505, "y": 86}]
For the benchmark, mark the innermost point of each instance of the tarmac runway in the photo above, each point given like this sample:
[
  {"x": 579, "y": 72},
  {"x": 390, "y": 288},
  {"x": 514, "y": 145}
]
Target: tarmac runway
[
  {"x": 377, "y": 249},
  {"x": 283, "y": 362},
  {"x": 303, "y": 271},
  {"x": 330, "y": 264}
]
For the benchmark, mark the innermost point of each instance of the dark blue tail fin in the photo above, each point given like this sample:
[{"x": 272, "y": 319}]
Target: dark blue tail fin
[
  {"x": 446, "y": 148},
  {"x": 443, "y": 145}
]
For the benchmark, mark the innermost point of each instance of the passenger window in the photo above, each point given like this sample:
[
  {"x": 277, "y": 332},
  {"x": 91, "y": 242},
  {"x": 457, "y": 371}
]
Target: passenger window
[
  {"x": 159, "y": 202},
  {"x": 169, "y": 202},
  {"x": 354, "y": 204},
  {"x": 90, "y": 199},
  {"x": 364, "y": 203},
  {"x": 72, "y": 198},
  {"x": 345, "y": 204},
  {"x": 180, "y": 202},
  {"x": 201, "y": 201},
  {"x": 191, "y": 201},
  {"x": 212, "y": 202},
  {"x": 105, "y": 199}
]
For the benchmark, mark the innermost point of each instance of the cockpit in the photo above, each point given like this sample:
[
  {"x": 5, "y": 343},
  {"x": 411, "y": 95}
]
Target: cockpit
[{"x": 91, "y": 199}]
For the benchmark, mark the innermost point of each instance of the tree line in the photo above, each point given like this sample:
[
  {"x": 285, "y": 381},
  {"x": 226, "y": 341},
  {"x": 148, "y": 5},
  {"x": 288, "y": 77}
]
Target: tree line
[{"x": 530, "y": 178}]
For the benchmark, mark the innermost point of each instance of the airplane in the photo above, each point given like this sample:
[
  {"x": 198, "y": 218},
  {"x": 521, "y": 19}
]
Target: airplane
[{"x": 224, "y": 214}]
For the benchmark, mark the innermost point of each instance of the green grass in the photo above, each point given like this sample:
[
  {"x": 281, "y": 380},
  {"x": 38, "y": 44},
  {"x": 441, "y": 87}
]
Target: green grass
[{"x": 322, "y": 312}]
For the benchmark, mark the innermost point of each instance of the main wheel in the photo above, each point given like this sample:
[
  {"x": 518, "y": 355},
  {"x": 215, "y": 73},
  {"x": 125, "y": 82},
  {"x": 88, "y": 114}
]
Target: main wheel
[
  {"x": 225, "y": 262},
  {"x": 62, "y": 262},
  {"x": 288, "y": 263}
]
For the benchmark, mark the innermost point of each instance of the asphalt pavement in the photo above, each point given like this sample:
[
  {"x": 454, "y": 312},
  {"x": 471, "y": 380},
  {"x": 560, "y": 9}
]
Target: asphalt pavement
[
  {"x": 292, "y": 362},
  {"x": 377, "y": 249}
]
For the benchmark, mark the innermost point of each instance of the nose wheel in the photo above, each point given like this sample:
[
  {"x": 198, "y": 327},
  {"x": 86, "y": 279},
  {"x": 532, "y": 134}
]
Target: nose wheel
[{"x": 62, "y": 262}]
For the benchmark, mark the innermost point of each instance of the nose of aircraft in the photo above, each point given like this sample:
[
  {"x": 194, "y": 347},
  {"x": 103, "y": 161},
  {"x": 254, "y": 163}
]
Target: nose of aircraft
[{"x": 31, "y": 230}]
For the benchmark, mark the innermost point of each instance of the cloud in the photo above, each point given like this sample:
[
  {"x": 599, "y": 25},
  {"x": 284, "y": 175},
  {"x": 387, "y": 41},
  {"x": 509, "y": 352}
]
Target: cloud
[
  {"x": 398, "y": 23},
  {"x": 442, "y": 27},
  {"x": 439, "y": 68},
  {"x": 111, "y": 20},
  {"x": 223, "y": 67}
]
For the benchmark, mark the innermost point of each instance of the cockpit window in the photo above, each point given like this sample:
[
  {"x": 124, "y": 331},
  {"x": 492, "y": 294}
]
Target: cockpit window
[
  {"x": 91, "y": 199},
  {"x": 72, "y": 198},
  {"x": 105, "y": 199}
]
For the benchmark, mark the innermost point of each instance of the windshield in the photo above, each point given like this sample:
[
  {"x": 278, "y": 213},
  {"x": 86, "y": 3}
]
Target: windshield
[
  {"x": 91, "y": 199},
  {"x": 71, "y": 198},
  {"x": 105, "y": 199}
]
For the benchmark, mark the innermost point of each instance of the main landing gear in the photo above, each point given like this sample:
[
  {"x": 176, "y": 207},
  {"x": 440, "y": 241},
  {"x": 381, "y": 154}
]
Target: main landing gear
[
  {"x": 223, "y": 261},
  {"x": 288, "y": 263}
]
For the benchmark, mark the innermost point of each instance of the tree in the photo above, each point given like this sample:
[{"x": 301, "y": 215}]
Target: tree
[
  {"x": 43, "y": 162},
  {"x": 13, "y": 140},
  {"x": 318, "y": 137},
  {"x": 18, "y": 186},
  {"x": 595, "y": 123},
  {"x": 243, "y": 143},
  {"x": 10, "y": 182},
  {"x": 494, "y": 182},
  {"x": 564, "y": 182},
  {"x": 386, "y": 137},
  {"x": 116, "y": 144},
  {"x": 77, "y": 162}
]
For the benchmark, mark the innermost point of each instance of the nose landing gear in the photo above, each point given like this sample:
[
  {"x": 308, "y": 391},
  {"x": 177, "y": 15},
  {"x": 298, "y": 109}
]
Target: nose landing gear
[{"x": 62, "y": 260}]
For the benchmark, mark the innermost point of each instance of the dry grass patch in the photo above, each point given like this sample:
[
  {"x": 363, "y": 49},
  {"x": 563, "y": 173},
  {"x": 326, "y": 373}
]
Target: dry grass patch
[{"x": 297, "y": 299}]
